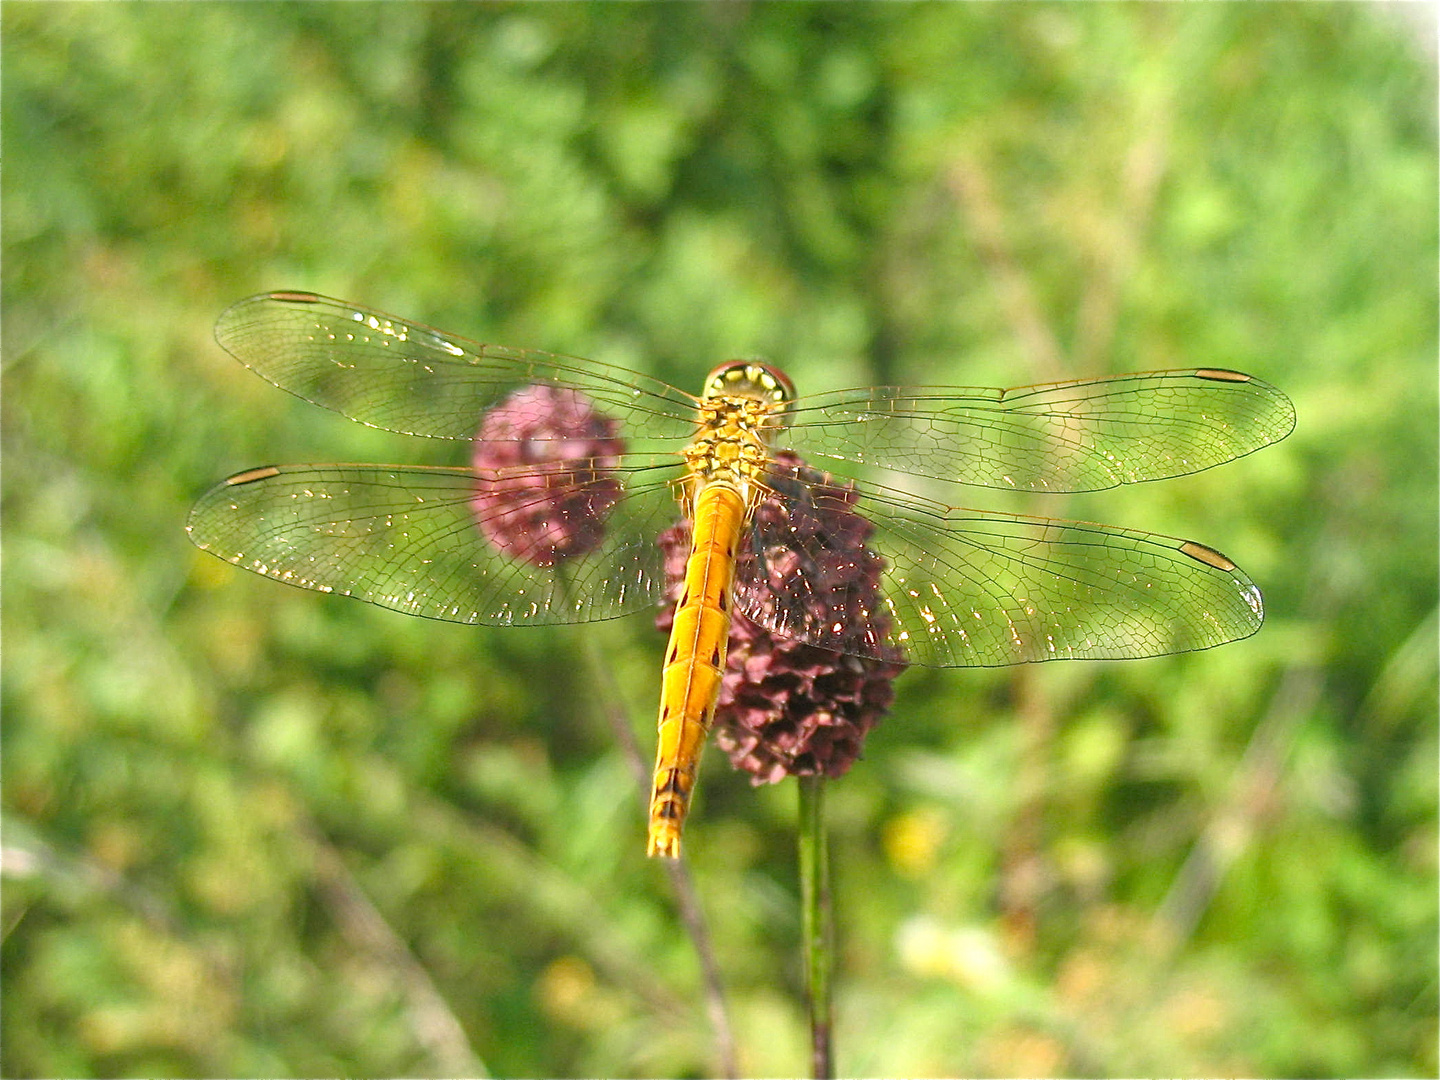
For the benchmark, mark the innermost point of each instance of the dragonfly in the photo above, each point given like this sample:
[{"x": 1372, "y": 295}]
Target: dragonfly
[{"x": 577, "y": 466}]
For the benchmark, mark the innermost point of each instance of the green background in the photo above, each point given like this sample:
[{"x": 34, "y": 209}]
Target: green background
[{"x": 254, "y": 831}]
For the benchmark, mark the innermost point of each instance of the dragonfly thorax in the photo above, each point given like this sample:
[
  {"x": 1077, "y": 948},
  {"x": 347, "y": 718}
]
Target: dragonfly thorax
[
  {"x": 742, "y": 407},
  {"x": 732, "y": 445}
]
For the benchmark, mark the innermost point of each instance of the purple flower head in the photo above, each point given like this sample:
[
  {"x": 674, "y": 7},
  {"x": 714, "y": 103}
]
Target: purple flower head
[
  {"x": 544, "y": 463},
  {"x": 787, "y": 708}
]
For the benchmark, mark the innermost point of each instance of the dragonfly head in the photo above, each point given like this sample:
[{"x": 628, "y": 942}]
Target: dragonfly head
[{"x": 750, "y": 378}]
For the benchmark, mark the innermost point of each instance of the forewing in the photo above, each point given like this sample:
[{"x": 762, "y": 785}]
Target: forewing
[
  {"x": 414, "y": 379},
  {"x": 967, "y": 588},
  {"x": 407, "y": 538},
  {"x": 1074, "y": 436}
]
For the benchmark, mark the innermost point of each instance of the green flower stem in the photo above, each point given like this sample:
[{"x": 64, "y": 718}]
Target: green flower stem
[{"x": 815, "y": 921}]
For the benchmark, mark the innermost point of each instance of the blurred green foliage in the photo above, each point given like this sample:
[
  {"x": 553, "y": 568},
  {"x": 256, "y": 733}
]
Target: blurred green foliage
[{"x": 250, "y": 830}]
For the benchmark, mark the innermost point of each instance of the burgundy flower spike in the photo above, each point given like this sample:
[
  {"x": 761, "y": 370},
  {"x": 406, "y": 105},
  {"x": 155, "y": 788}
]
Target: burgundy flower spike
[
  {"x": 788, "y": 708},
  {"x": 544, "y": 460}
]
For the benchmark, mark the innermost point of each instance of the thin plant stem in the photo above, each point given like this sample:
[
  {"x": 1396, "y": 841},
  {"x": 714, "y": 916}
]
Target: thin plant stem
[
  {"x": 435, "y": 1026},
  {"x": 815, "y": 923},
  {"x": 686, "y": 899}
]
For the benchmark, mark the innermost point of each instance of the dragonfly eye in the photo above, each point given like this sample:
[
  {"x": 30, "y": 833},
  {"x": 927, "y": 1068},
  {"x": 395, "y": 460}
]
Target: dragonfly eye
[{"x": 750, "y": 378}]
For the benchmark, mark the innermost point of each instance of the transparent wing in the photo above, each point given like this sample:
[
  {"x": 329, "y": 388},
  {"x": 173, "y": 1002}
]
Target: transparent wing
[
  {"x": 963, "y": 588},
  {"x": 416, "y": 380},
  {"x": 413, "y": 539},
  {"x": 1074, "y": 436}
]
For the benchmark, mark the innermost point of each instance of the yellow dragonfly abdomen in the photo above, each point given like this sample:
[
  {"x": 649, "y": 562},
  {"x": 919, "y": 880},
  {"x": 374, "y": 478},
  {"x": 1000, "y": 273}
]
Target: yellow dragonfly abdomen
[
  {"x": 694, "y": 661},
  {"x": 742, "y": 407}
]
